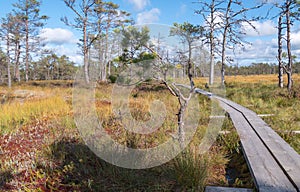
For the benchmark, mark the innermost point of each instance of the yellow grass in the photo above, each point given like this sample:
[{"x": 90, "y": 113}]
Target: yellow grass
[
  {"x": 264, "y": 79},
  {"x": 15, "y": 114}
]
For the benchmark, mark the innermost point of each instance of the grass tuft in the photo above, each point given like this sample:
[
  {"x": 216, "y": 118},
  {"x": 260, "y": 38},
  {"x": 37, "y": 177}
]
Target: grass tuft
[
  {"x": 15, "y": 114},
  {"x": 191, "y": 170}
]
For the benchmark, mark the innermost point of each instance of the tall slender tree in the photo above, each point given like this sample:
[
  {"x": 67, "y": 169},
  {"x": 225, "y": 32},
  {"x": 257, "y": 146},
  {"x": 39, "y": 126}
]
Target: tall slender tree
[
  {"x": 279, "y": 56},
  {"x": 6, "y": 31},
  {"x": 29, "y": 10},
  {"x": 2, "y": 66},
  {"x": 289, "y": 12},
  {"x": 109, "y": 17},
  {"x": 17, "y": 37},
  {"x": 232, "y": 33},
  {"x": 84, "y": 21},
  {"x": 189, "y": 34},
  {"x": 210, "y": 13}
]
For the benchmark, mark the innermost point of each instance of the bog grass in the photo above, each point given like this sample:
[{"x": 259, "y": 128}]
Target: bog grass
[
  {"x": 16, "y": 114},
  {"x": 65, "y": 163},
  {"x": 261, "y": 94},
  {"x": 281, "y": 107}
]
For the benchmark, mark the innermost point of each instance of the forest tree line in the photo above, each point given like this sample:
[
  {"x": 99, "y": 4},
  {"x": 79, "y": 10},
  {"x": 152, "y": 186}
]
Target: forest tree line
[
  {"x": 103, "y": 28},
  {"x": 257, "y": 69}
]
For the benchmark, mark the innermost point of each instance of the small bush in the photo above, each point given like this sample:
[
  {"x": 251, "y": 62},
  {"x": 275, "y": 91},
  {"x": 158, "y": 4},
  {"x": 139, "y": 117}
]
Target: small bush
[{"x": 112, "y": 78}]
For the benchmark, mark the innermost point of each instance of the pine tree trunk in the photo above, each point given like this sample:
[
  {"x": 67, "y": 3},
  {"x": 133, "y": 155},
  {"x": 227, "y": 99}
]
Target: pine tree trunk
[
  {"x": 85, "y": 52},
  {"x": 211, "y": 40},
  {"x": 280, "y": 67},
  {"x": 106, "y": 61},
  {"x": 180, "y": 116},
  {"x": 108, "y": 70},
  {"x": 223, "y": 60},
  {"x": 8, "y": 61},
  {"x": 224, "y": 43},
  {"x": 17, "y": 61},
  {"x": 27, "y": 51}
]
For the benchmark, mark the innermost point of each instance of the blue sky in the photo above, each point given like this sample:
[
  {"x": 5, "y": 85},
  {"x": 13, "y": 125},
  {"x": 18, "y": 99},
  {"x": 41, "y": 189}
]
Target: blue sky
[{"x": 63, "y": 39}]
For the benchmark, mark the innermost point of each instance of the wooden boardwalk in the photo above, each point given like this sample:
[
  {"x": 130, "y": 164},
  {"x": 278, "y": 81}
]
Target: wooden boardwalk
[{"x": 273, "y": 163}]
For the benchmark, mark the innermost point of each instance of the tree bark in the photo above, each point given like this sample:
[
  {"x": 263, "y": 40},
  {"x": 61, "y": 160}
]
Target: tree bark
[
  {"x": 280, "y": 64},
  {"x": 223, "y": 57},
  {"x": 106, "y": 62},
  {"x": 212, "y": 44},
  {"x": 85, "y": 51},
  {"x": 27, "y": 48},
  {"x": 8, "y": 59},
  {"x": 224, "y": 40},
  {"x": 180, "y": 116},
  {"x": 17, "y": 61}
]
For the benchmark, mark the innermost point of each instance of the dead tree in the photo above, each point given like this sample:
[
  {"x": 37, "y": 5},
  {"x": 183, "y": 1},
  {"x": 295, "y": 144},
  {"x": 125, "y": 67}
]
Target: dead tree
[
  {"x": 288, "y": 44},
  {"x": 182, "y": 100},
  {"x": 289, "y": 11},
  {"x": 188, "y": 34},
  {"x": 279, "y": 56},
  {"x": 213, "y": 26},
  {"x": 231, "y": 30}
]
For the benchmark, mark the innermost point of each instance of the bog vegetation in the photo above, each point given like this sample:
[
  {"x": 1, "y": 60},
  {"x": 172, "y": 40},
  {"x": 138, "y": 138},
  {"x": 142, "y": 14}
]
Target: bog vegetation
[{"x": 41, "y": 148}]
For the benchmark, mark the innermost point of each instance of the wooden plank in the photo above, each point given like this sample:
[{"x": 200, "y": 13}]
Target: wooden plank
[
  {"x": 287, "y": 158},
  {"x": 226, "y": 189},
  {"x": 265, "y": 115},
  {"x": 284, "y": 154},
  {"x": 267, "y": 174},
  {"x": 236, "y": 106}
]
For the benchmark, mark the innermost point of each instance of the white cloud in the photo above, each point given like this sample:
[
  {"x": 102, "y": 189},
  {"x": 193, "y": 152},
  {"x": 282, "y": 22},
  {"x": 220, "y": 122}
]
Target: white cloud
[
  {"x": 259, "y": 51},
  {"x": 182, "y": 10},
  {"x": 57, "y": 36},
  {"x": 148, "y": 16},
  {"x": 265, "y": 49},
  {"x": 263, "y": 28},
  {"x": 139, "y": 4},
  {"x": 295, "y": 39},
  {"x": 218, "y": 21},
  {"x": 70, "y": 50}
]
